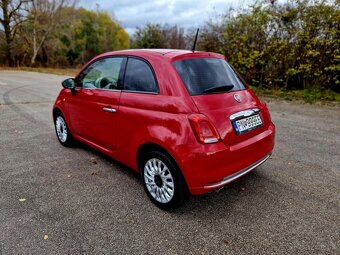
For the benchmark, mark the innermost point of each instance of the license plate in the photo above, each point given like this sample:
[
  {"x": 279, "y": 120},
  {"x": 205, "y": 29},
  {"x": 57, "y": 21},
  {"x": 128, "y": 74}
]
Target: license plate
[{"x": 244, "y": 125}]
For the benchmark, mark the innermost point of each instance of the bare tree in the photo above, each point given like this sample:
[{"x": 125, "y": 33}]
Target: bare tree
[
  {"x": 45, "y": 14},
  {"x": 11, "y": 18}
]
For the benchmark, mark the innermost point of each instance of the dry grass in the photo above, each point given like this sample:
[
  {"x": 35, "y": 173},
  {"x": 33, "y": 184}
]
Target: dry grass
[
  {"x": 311, "y": 96},
  {"x": 61, "y": 71}
]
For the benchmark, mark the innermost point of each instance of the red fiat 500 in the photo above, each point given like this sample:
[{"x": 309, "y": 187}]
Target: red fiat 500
[{"x": 185, "y": 120}]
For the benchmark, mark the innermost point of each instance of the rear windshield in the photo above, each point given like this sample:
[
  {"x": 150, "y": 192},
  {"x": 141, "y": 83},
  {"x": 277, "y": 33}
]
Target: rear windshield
[{"x": 201, "y": 75}]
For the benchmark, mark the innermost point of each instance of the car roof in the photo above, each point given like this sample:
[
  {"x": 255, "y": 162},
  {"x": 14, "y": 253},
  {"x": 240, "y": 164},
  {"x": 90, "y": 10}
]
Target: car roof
[{"x": 170, "y": 54}]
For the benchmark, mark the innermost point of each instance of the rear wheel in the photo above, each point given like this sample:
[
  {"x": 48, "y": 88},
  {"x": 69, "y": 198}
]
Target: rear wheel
[
  {"x": 162, "y": 180},
  {"x": 63, "y": 134}
]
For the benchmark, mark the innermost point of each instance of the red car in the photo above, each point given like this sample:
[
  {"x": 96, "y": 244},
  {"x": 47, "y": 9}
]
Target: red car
[{"x": 184, "y": 119}]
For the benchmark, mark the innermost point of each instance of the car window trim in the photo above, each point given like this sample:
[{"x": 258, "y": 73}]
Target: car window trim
[
  {"x": 153, "y": 74},
  {"x": 140, "y": 92},
  {"x": 123, "y": 66},
  {"x": 97, "y": 89}
]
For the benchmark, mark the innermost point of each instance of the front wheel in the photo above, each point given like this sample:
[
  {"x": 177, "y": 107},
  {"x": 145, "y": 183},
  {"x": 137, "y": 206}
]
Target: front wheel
[
  {"x": 163, "y": 181},
  {"x": 63, "y": 134}
]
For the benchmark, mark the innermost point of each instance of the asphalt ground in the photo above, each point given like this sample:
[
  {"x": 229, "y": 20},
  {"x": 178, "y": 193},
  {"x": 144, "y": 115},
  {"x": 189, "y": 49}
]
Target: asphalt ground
[{"x": 56, "y": 200}]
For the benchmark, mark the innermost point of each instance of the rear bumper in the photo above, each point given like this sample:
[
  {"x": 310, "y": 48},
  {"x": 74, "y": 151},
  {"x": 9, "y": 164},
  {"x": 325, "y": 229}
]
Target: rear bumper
[
  {"x": 209, "y": 167},
  {"x": 233, "y": 177}
]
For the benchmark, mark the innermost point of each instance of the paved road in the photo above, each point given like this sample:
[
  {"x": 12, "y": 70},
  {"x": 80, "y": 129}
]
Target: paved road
[{"x": 290, "y": 205}]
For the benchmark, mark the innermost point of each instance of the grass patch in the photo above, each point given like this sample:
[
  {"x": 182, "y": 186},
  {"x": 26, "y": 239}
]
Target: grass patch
[
  {"x": 72, "y": 72},
  {"x": 307, "y": 95}
]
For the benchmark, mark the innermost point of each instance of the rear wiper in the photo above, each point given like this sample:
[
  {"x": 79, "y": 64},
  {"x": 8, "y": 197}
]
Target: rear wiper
[{"x": 225, "y": 88}]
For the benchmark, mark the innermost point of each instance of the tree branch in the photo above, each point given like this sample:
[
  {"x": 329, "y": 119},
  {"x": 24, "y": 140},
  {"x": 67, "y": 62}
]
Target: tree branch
[
  {"x": 15, "y": 9},
  {"x": 16, "y": 26}
]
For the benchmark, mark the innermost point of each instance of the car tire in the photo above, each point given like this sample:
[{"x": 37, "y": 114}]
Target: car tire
[
  {"x": 62, "y": 131},
  {"x": 163, "y": 181}
]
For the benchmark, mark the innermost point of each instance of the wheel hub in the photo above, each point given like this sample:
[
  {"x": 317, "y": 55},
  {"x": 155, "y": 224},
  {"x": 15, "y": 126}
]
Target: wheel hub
[{"x": 158, "y": 181}]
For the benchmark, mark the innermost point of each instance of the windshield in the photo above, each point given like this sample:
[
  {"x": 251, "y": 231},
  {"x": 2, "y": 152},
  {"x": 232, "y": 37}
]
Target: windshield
[{"x": 201, "y": 75}]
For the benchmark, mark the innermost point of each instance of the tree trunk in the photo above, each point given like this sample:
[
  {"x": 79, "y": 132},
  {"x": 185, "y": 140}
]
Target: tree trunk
[
  {"x": 35, "y": 51},
  {"x": 8, "y": 49},
  {"x": 37, "y": 47},
  {"x": 8, "y": 33}
]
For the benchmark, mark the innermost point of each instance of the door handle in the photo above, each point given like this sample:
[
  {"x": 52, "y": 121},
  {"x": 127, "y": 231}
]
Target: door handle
[{"x": 109, "y": 109}]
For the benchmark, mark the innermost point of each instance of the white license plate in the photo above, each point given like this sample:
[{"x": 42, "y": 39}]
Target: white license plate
[{"x": 244, "y": 125}]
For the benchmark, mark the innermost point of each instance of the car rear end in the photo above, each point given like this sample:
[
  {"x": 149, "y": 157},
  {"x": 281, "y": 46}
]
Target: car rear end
[{"x": 233, "y": 128}]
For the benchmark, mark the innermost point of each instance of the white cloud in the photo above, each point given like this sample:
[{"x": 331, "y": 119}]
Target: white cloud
[{"x": 185, "y": 13}]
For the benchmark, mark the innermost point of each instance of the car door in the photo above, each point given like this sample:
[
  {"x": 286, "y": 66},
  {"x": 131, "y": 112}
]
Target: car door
[
  {"x": 94, "y": 107},
  {"x": 138, "y": 105}
]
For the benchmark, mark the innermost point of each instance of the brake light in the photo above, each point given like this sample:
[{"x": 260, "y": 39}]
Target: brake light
[
  {"x": 204, "y": 130},
  {"x": 266, "y": 110}
]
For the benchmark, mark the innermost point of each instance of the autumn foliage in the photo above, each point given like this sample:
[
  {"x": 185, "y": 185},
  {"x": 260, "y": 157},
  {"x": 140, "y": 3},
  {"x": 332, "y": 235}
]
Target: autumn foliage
[
  {"x": 291, "y": 45},
  {"x": 286, "y": 45},
  {"x": 55, "y": 33}
]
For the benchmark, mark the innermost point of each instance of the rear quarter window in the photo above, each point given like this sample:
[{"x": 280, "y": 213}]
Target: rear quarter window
[
  {"x": 139, "y": 77},
  {"x": 200, "y": 74}
]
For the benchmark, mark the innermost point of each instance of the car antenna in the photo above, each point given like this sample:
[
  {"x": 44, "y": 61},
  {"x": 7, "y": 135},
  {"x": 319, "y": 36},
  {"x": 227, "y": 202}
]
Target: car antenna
[{"x": 194, "y": 46}]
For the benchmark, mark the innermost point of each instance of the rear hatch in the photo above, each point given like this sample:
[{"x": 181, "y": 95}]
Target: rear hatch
[
  {"x": 219, "y": 108},
  {"x": 220, "y": 94}
]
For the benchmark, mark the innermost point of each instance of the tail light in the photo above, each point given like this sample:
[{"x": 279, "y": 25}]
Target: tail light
[
  {"x": 265, "y": 108},
  {"x": 204, "y": 130}
]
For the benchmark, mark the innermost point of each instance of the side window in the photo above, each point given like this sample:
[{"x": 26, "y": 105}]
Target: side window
[
  {"x": 139, "y": 77},
  {"x": 102, "y": 74}
]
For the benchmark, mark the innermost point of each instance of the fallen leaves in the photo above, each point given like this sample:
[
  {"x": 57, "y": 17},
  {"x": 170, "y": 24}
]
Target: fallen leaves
[
  {"x": 45, "y": 237},
  {"x": 242, "y": 189},
  {"x": 94, "y": 161}
]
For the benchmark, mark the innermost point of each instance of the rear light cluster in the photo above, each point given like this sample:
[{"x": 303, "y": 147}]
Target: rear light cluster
[
  {"x": 266, "y": 110},
  {"x": 204, "y": 130}
]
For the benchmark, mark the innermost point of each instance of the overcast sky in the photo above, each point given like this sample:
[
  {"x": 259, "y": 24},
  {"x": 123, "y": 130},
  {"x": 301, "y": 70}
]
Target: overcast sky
[{"x": 185, "y": 13}]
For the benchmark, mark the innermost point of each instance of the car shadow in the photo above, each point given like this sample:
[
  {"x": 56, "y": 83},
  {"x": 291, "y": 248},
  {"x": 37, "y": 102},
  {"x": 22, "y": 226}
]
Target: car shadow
[
  {"x": 224, "y": 199},
  {"x": 129, "y": 172},
  {"x": 216, "y": 201}
]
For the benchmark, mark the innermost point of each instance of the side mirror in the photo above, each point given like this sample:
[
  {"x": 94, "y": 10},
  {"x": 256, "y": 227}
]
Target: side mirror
[{"x": 69, "y": 83}]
